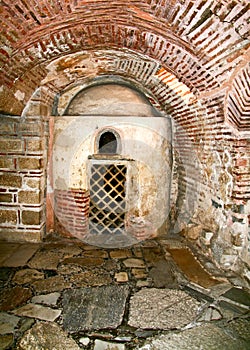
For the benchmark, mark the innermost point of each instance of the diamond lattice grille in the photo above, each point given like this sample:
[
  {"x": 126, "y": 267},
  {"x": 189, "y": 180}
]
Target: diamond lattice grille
[{"x": 107, "y": 198}]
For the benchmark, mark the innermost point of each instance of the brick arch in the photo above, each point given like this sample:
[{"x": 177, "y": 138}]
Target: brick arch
[
  {"x": 238, "y": 100},
  {"x": 200, "y": 43}
]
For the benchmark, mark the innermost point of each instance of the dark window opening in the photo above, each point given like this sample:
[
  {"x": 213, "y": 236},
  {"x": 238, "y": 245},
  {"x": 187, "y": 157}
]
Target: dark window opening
[{"x": 108, "y": 143}]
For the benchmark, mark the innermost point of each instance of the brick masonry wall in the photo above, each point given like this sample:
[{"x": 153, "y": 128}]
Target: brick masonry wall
[
  {"x": 22, "y": 177},
  {"x": 71, "y": 210}
]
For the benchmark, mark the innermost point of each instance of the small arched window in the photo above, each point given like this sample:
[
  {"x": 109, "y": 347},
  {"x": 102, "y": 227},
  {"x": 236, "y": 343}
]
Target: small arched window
[{"x": 107, "y": 143}]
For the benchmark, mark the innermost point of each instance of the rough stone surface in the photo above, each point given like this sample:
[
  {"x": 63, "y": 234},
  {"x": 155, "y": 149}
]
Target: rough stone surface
[
  {"x": 47, "y": 299},
  {"x": 38, "y": 311},
  {"x": 22, "y": 255},
  {"x": 6, "y": 250},
  {"x": 45, "y": 260},
  {"x": 120, "y": 254},
  {"x": 162, "y": 309},
  {"x": 210, "y": 314},
  {"x": 94, "y": 308},
  {"x": 51, "y": 284},
  {"x": 151, "y": 312},
  {"x": 192, "y": 268},
  {"x": 47, "y": 335},
  {"x": 8, "y": 323},
  {"x": 91, "y": 278},
  {"x": 6, "y": 341},
  {"x": 89, "y": 261},
  {"x": 27, "y": 276},
  {"x": 240, "y": 328},
  {"x": 103, "y": 345},
  {"x": 238, "y": 295},
  {"x": 139, "y": 273},
  {"x": 30, "y": 217},
  {"x": 84, "y": 341},
  {"x": 26, "y": 323},
  {"x": 132, "y": 262},
  {"x": 205, "y": 337},
  {"x": 96, "y": 253},
  {"x": 121, "y": 277},
  {"x": 163, "y": 274},
  {"x": 49, "y": 256},
  {"x": 13, "y": 297}
]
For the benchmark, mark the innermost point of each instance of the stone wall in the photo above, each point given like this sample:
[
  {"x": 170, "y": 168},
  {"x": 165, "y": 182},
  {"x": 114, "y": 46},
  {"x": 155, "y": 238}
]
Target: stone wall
[{"x": 22, "y": 178}]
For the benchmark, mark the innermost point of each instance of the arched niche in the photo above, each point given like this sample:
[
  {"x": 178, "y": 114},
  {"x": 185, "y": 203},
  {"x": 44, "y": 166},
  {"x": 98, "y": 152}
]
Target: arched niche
[
  {"x": 111, "y": 167},
  {"x": 110, "y": 99}
]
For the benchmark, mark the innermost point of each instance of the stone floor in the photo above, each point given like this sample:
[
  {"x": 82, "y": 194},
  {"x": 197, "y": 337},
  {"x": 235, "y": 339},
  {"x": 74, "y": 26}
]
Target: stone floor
[{"x": 154, "y": 295}]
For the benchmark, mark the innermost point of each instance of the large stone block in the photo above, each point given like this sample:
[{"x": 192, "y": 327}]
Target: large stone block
[
  {"x": 6, "y": 162},
  {"x": 5, "y": 197},
  {"x": 29, "y": 197},
  {"x": 10, "y": 180},
  {"x": 34, "y": 145},
  {"x": 162, "y": 309},
  {"x": 30, "y": 217},
  {"x": 6, "y": 127},
  {"x": 94, "y": 308},
  {"x": 34, "y": 183},
  {"x": 10, "y": 145},
  {"x": 8, "y": 216},
  {"x": 47, "y": 335},
  {"x": 12, "y": 234},
  {"x": 29, "y": 163},
  {"x": 30, "y": 128}
]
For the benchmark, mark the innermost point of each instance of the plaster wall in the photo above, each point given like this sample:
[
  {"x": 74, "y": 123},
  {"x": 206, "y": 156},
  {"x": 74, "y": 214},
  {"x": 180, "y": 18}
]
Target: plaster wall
[{"x": 144, "y": 140}]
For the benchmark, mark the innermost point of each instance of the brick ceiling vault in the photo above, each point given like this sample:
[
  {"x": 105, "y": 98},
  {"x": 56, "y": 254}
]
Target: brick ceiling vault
[{"x": 177, "y": 50}]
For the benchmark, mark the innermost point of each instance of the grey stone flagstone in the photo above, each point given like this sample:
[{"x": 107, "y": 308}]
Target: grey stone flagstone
[
  {"x": 162, "y": 309},
  {"x": 94, "y": 308},
  {"x": 8, "y": 323}
]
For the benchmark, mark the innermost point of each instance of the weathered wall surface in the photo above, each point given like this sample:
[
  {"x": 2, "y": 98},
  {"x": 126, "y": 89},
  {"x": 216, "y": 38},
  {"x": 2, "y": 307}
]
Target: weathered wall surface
[
  {"x": 144, "y": 140},
  {"x": 22, "y": 178}
]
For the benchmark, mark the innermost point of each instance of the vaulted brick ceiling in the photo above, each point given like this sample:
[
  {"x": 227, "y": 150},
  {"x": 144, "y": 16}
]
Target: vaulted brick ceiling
[{"x": 174, "y": 50}]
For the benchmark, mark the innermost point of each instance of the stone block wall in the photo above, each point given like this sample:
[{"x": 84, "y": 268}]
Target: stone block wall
[{"x": 22, "y": 177}]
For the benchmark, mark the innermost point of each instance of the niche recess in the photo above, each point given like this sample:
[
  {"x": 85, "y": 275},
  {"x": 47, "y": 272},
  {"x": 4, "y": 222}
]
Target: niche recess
[{"x": 110, "y": 168}]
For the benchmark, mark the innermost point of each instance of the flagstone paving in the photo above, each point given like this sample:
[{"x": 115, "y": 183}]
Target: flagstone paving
[{"x": 154, "y": 295}]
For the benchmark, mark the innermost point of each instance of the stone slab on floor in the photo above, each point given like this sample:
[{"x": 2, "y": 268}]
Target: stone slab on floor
[
  {"x": 6, "y": 341},
  {"x": 104, "y": 345},
  {"x": 27, "y": 276},
  {"x": 47, "y": 299},
  {"x": 192, "y": 268},
  {"x": 152, "y": 308},
  {"x": 49, "y": 256},
  {"x": 94, "y": 308},
  {"x": 205, "y": 337},
  {"x": 162, "y": 274},
  {"x": 38, "y": 311},
  {"x": 22, "y": 255},
  {"x": 241, "y": 328},
  {"x": 6, "y": 250},
  {"x": 49, "y": 336},
  {"x": 51, "y": 284},
  {"x": 8, "y": 323},
  {"x": 11, "y": 298},
  {"x": 238, "y": 295},
  {"x": 93, "y": 278}
]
